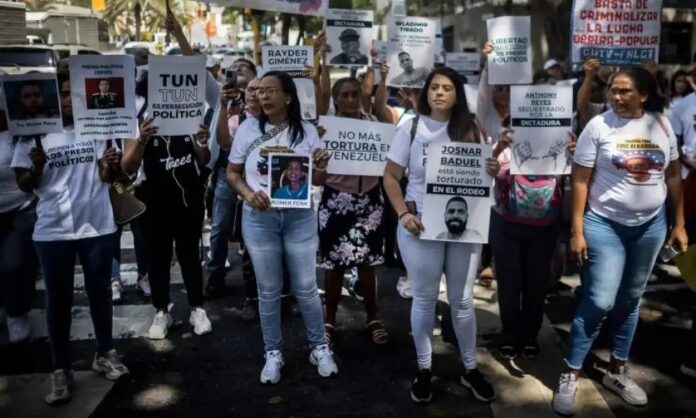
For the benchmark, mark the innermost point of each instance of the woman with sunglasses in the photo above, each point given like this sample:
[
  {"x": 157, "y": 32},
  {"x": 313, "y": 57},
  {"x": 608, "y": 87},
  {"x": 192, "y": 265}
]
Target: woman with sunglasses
[{"x": 276, "y": 235}]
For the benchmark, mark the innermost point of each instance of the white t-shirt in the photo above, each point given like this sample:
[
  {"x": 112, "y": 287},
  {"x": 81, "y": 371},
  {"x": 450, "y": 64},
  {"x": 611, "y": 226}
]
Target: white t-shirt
[
  {"x": 11, "y": 198},
  {"x": 683, "y": 119},
  {"x": 414, "y": 156},
  {"x": 256, "y": 164},
  {"x": 629, "y": 157},
  {"x": 73, "y": 200}
]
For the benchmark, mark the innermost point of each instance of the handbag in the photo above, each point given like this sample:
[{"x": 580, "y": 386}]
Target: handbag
[{"x": 125, "y": 205}]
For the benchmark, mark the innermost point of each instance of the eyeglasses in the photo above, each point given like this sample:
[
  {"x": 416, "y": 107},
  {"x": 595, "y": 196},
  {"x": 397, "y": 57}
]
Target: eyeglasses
[
  {"x": 267, "y": 92},
  {"x": 252, "y": 91}
]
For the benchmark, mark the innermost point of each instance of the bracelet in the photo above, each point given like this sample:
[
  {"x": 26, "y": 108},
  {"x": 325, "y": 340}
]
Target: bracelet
[
  {"x": 404, "y": 214},
  {"x": 319, "y": 169},
  {"x": 202, "y": 145}
]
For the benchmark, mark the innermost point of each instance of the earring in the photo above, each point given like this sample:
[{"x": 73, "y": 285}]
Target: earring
[{"x": 287, "y": 103}]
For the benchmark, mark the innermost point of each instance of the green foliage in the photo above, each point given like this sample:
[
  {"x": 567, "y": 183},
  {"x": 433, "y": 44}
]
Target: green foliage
[{"x": 153, "y": 14}]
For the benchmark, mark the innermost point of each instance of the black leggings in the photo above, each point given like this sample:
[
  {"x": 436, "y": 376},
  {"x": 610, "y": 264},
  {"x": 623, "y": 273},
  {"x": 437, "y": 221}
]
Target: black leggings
[{"x": 163, "y": 227}]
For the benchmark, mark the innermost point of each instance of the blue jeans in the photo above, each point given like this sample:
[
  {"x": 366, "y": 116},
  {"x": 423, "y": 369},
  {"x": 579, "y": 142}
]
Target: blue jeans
[
  {"x": 270, "y": 238},
  {"x": 620, "y": 259},
  {"x": 18, "y": 263},
  {"x": 58, "y": 262},
  {"x": 223, "y": 202}
]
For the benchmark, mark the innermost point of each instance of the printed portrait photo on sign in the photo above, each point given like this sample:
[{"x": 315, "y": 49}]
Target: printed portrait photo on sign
[
  {"x": 290, "y": 178},
  {"x": 349, "y": 41},
  {"x": 32, "y": 99},
  {"x": 455, "y": 217},
  {"x": 104, "y": 93},
  {"x": 408, "y": 74}
]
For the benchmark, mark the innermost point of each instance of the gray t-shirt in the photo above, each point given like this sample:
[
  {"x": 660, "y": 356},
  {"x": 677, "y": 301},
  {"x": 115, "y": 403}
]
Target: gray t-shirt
[{"x": 629, "y": 157}]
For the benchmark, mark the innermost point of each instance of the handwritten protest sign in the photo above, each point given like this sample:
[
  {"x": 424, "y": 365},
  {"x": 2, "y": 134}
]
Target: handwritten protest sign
[
  {"x": 350, "y": 34},
  {"x": 176, "y": 93},
  {"x": 618, "y": 32},
  {"x": 289, "y": 181},
  {"x": 103, "y": 96},
  {"x": 302, "y": 7},
  {"x": 467, "y": 64},
  {"x": 411, "y": 58},
  {"x": 511, "y": 60},
  {"x": 540, "y": 116},
  {"x": 357, "y": 147},
  {"x": 293, "y": 60},
  {"x": 457, "y": 205},
  {"x": 32, "y": 104}
]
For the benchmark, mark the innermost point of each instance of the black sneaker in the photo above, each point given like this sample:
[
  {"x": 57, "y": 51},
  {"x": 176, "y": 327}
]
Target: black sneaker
[
  {"x": 421, "y": 391},
  {"x": 531, "y": 349},
  {"x": 688, "y": 368},
  {"x": 508, "y": 351},
  {"x": 476, "y": 383}
]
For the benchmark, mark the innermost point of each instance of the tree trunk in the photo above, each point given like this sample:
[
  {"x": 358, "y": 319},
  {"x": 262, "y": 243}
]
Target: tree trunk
[
  {"x": 301, "y": 23},
  {"x": 285, "y": 35},
  {"x": 137, "y": 17}
]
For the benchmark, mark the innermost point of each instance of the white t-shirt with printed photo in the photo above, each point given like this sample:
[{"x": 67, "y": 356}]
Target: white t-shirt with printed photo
[
  {"x": 629, "y": 157},
  {"x": 73, "y": 200},
  {"x": 256, "y": 164},
  {"x": 414, "y": 156}
]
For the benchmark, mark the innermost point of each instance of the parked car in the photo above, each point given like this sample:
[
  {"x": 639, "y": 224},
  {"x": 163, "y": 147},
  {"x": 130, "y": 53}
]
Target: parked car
[
  {"x": 22, "y": 59},
  {"x": 130, "y": 47},
  {"x": 66, "y": 50},
  {"x": 35, "y": 40}
]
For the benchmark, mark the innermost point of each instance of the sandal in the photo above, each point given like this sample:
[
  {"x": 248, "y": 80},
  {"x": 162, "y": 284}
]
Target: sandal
[
  {"x": 486, "y": 277},
  {"x": 329, "y": 334},
  {"x": 378, "y": 332}
]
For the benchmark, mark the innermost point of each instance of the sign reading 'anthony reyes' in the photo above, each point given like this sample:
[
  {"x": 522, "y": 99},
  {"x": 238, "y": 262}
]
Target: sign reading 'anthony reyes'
[
  {"x": 357, "y": 147},
  {"x": 176, "y": 93},
  {"x": 618, "y": 32},
  {"x": 456, "y": 204},
  {"x": 541, "y": 118}
]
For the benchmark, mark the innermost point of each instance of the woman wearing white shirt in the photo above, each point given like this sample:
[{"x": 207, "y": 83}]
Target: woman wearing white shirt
[
  {"x": 74, "y": 218},
  {"x": 444, "y": 116},
  {"x": 273, "y": 235}
]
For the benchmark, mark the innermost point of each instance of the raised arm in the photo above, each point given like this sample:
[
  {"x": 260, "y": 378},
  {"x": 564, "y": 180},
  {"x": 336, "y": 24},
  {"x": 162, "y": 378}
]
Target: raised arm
[{"x": 584, "y": 105}]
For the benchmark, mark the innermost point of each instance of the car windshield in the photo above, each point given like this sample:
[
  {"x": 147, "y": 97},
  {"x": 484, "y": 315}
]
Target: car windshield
[{"x": 25, "y": 57}]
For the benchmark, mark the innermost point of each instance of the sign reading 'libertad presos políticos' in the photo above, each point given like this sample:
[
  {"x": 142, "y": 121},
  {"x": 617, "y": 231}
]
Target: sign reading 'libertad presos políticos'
[{"x": 511, "y": 60}]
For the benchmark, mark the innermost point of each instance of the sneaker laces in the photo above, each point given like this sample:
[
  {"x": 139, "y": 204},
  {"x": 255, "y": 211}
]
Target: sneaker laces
[
  {"x": 200, "y": 315},
  {"x": 624, "y": 378},
  {"x": 114, "y": 360},
  {"x": 323, "y": 353},
  {"x": 160, "y": 319},
  {"x": 59, "y": 379},
  {"x": 273, "y": 360},
  {"x": 566, "y": 383}
]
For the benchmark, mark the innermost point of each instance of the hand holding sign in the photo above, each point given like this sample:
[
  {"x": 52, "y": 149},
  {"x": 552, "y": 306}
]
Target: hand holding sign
[
  {"x": 38, "y": 158},
  {"x": 258, "y": 200},
  {"x": 412, "y": 224},
  {"x": 321, "y": 159},
  {"x": 147, "y": 129}
]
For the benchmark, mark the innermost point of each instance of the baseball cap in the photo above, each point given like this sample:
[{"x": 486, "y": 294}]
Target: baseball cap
[
  {"x": 551, "y": 63},
  {"x": 349, "y": 34},
  {"x": 210, "y": 62}
]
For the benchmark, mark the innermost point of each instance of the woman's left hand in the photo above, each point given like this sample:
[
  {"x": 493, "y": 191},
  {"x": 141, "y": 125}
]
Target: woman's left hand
[
  {"x": 570, "y": 147},
  {"x": 320, "y": 158},
  {"x": 492, "y": 166},
  {"x": 202, "y": 136},
  {"x": 110, "y": 158},
  {"x": 678, "y": 238},
  {"x": 321, "y": 131}
]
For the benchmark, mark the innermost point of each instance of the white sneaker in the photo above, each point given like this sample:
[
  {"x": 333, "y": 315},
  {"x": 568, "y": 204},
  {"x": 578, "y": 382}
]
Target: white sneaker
[
  {"x": 403, "y": 286},
  {"x": 200, "y": 322},
  {"x": 271, "y": 370},
  {"x": 18, "y": 328},
  {"x": 144, "y": 286},
  {"x": 564, "y": 396},
  {"x": 622, "y": 384},
  {"x": 322, "y": 357},
  {"x": 160, "y": 325},
  {"x": 116, "y": 289},
  {"x": 110, "y": 365}
]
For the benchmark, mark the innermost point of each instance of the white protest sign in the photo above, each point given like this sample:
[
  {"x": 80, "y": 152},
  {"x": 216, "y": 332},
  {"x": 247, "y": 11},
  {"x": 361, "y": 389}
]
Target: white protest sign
[
  {"x": 32, "y": 104},
  {"x": 350, "y": 34},
  {"x": 618, "y": 32},
  {"x": 176, "y": 93},
  {"x": 541, "y": 118},
  {"x": 398, "y": 8},
  {"x": 411, "y": 58},
  {"x": 467, "y": 64},
  {"x": 103, "y": 96},
  {"x": 293, "y": 60},
  {"x": 357, "y": 147},
  {"x": 511, "y": 60},
  {"x": 302, "y": 7},
  {"x": 457, "y": 203},
  {"x": 289, "y": 180}
]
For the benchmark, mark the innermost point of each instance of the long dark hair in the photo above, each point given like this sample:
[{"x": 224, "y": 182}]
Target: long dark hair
[
  {"x": 295, "y": 128},
  {"x": 673, "y": 82},
  {"x": 462, "y": 124},
  {"x": 336, "y": 89},
  {"x": 646, "y": 83}
]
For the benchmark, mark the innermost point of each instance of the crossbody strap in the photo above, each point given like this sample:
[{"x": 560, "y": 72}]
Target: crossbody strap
[{"x": 265, "y": 137}]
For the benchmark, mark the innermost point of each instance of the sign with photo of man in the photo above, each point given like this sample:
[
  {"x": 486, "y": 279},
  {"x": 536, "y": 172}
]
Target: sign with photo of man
[
  {"x": 350, "y": 34},
  {"x": 103, "y": 96},
  {"x": 411, "y": 58},
  {"x": 290, "y": 180},
  {"x": 32, "y": 104},
  {"x": 457, "y": 200}
]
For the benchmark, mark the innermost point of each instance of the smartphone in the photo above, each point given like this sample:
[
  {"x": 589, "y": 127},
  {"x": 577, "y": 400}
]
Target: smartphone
[
  {"x": 411, "y": 207},
  {"x": 669, "y": 253},
  {"x": 230, "y": 79}
]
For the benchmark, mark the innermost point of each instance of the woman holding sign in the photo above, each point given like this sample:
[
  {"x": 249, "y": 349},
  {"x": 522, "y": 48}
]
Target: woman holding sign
[
  {"x": 351, "y": 234},
  {"x": 626, "y": 166},
  {"x": 273, "y": 234},
  {"x": 71, "y": 179},
  {"x": 444, "y": 116}
]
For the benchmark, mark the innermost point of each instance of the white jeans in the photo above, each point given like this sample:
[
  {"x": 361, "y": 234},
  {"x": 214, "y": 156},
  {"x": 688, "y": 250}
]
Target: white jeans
[{"x": 425, "y": 262}]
